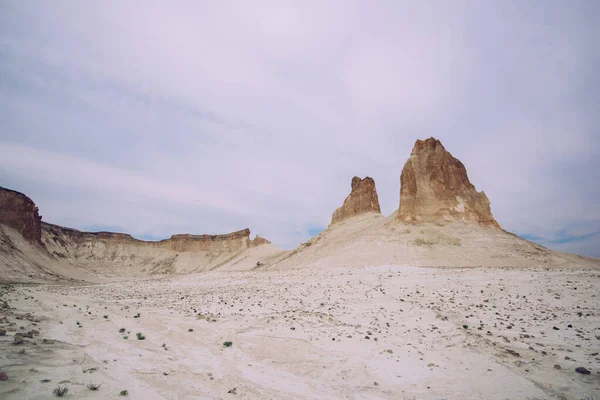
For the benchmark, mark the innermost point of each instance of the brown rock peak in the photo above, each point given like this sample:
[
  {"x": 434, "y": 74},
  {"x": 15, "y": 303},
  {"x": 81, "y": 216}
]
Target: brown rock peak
[
  {"x": 434, "y": 186},
  {"x": 20, "y": 213},
  {"x": 362, "y": 199},
  {"x": 258, "y": 241}
]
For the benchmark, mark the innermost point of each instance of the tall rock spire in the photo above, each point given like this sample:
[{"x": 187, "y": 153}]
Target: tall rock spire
[
  {"x": 434, "y": 186},
  {"x": 362, "y": 199}
]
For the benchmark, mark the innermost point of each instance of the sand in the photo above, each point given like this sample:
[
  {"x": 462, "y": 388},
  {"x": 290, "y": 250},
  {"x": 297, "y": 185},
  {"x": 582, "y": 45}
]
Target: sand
[{"x": 372, "y": 332}]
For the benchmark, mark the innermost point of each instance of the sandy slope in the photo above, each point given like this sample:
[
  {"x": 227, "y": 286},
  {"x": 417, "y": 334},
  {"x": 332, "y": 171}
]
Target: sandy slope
[
  {"x": 372, "y": 239},
  {"x": 384, "y": 332},
  {"x": 21, "y": 261}
]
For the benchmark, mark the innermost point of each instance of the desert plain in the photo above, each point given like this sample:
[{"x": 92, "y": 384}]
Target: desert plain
[{"x": 382, "y": 332}]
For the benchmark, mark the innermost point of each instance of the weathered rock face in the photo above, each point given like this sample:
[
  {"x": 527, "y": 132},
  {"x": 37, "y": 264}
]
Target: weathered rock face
[
  {"x": 20, "y": 213},
  {"x": 434, "y": 186},
  {"x": 229, "y": 242},
  {"x": 362, "y": 199},
  {"x": 258, "y": 241}
]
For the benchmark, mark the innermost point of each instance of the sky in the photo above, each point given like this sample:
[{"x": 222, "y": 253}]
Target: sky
[{"x": 156, "y": 118}]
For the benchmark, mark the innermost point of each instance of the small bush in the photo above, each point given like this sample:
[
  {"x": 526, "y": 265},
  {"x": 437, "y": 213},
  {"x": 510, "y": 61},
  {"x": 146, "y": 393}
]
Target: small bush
[
  {"x": 227, "y": 344},
  {"x": 423, "y": 242},
  {"x": 123, "y": 393},
  {"x": 125, "y": 337},
  {"x": 140, "y": 336},
  {"x": 190, "y": 330},
  {"x": 60, "y": 391},
  {"x": 121, "y": 330},
  {"x": 465, "y": 326},
  {"x": 93, "y": 386}
]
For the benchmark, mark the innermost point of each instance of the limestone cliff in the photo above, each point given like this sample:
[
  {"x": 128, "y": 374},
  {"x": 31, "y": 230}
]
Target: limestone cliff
[
  {"x": 20, "y": 213},
  {"x": 230, "y": 242},
  {"x": 434, "y": 186},
  {"x": 362, "y": 199}
]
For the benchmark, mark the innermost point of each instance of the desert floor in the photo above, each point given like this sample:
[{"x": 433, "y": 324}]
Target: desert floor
[{"x": 385, "y": 332}]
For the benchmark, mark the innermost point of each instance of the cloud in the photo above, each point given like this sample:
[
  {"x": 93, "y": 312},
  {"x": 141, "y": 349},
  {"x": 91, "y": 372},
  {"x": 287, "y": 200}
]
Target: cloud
[{"x": 205, "y": 118}]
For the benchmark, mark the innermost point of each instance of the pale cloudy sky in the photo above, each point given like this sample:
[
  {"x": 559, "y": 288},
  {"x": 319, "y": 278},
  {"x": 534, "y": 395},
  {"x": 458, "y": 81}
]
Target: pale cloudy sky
[{"x": 155, "y": 118}]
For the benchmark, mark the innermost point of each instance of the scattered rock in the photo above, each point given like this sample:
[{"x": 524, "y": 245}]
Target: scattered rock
[
  {"x": 512, "y": 352},
  {"x": 3, "y": 376},
  {"x": 556, "y": 366},
  {"x": 18, "y": 339},
  {"x": 582, "y": 370}
]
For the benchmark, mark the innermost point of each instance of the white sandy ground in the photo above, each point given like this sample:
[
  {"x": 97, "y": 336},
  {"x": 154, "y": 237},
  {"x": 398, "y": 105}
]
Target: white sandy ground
[
  {"x": 386, "y": 332},
  {"x": 372, "y": 239}
]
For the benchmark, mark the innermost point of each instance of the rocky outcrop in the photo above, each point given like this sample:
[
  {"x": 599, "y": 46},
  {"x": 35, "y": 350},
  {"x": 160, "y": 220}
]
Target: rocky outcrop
[
  {"x": 434, "y": 186},
  {"x": 20, "y": 213},
  {"x": 258, "y": 241},
  {"x": 230, "y": 242},
  {"x": 362, "y": 199}
]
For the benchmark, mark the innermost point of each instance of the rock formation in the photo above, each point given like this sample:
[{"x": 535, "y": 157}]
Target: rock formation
[
  {"x": 258, "y": 241},
  {"x": 229, "y": 242},
  {"x": 20, "y": 213},
  {"x": 434, "y": 186},
  {"x": 362, "y": 199}
]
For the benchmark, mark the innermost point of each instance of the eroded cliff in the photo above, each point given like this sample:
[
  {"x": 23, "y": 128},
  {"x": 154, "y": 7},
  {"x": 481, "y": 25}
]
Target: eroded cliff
[{"x": 20, "y": 213}]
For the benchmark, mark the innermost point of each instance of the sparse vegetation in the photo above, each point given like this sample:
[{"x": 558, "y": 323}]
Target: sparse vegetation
[
  {"x": 423, "y": 242},
  {"x": 124, "y": 393},
  {"x": 93, "y": 386},
  {"x": 227, "y": 344},
  {"x": 60, "y": 391},
  {"x": 140, "y": 336}
]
